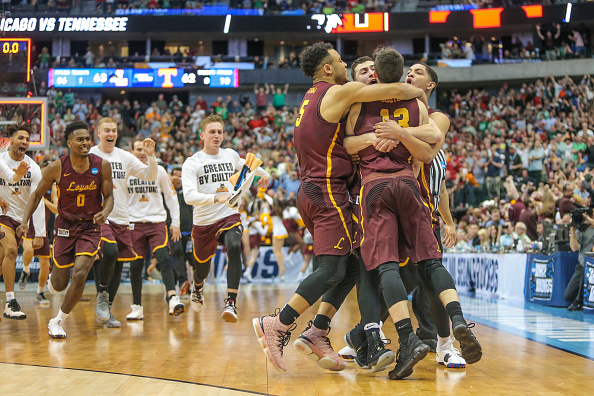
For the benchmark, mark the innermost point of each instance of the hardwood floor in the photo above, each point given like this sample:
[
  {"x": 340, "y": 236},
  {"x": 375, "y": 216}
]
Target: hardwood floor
[{"x": 203, "y": 355}]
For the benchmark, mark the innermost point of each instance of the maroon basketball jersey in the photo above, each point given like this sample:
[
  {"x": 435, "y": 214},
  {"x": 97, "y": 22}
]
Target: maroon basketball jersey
[
  {"x": 79, "y": 194},
  {"x": 318, "y": 142},
  {"x": 406, "y": 113}
]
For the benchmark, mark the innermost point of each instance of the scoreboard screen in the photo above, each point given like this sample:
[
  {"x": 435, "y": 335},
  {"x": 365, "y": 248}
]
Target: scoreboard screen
[
  {"x": 15, "y": 60},
  {"x": 142, "y": 78}
]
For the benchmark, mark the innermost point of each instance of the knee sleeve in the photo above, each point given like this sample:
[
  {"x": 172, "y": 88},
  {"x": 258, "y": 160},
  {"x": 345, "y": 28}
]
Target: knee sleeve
[
  {"x": 391, "y": 283},
  {"x": 109, "y": 251},
  {"x": 164, "y": 265},
  {"x": 232, "y": 240},
  {"x": 136, "y": 268},
  {"x": 337, "y": 294},
  {"x": 330, "y": 272},
  {"x": 433, "y": 271},
  {"x": 201, "y": 271}
]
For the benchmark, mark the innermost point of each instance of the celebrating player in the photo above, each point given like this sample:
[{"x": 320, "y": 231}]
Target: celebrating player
[
  {"x": 85, "y": 199},
  {"x": 17, "y": 195},
  {"x": 205, "y": 178},
  {"x": 116, "y": 240},
  {"x": 148, "y": 229}
]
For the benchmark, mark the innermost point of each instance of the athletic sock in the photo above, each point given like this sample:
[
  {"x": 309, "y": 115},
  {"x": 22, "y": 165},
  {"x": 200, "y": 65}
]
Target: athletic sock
[
  {"x": 39, "y": 289},
  {"x": 288, "y": 315},
  {"x": 232, "y": 296},
  {"x": 27, "y": 269},
  {"x": 62, "y": 316},
  {"x": 404, "y": 329},
  {"x": 371, "y": 328},
  {"x": 441, "y": 341},
  {"x": 455, "y": 311},
  {"x": 102, "y": 288},
  {"x": 322, "y": 322},
  {"x": 9, "y": 296}
]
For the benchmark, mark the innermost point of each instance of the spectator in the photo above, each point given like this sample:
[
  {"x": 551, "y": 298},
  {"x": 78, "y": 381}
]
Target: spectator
[
  {"x": 536, "y": 157},
  {"x": 548, "y": 41},
  {"x": 523, "y": 241},
  {"x": 507, "y": 239},
  {"x": 291, "y": 184}
]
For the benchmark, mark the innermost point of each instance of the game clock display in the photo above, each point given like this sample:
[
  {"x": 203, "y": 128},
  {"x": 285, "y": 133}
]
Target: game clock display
[{"x": 15, "y": 60}]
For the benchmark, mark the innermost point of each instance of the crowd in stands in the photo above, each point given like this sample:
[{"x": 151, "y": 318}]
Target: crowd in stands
[
  {"x": 554, "y": 44},
  {"x": 517, "y": 158}
]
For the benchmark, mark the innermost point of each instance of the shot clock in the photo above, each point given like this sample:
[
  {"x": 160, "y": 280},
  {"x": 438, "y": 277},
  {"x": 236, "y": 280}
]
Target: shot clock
[{"x": 15, "y": 60}]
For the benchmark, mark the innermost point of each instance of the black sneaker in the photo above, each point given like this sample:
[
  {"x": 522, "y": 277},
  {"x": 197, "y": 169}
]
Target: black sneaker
[
  {"x": 410, "y": 353},
  {"x": 12, "y": 310},
  {"x": 469, "y": 346},
  {"x": 575, "y": 306},
  {"x": 23, "y": 280},
  {"x": 40, "y": 298},
  {"x": 378, "y": 357},
  {"x": 357, "y": 340},
  {"x": 431, "y": 343}
]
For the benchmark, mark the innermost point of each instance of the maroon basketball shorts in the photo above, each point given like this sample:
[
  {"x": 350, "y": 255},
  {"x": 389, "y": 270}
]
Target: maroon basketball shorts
[
  {"x": 326, "y": 211},
  {"x": 206, "y": 238},
  {"x": 9, "y": 224},
  {"x": 396, "y": 223},
  {"x": 119, "y": 234},
  {"x": 42, "y": 252},
  {"x": 74, "y": 238},
  {"x": 149, "y": 235}
]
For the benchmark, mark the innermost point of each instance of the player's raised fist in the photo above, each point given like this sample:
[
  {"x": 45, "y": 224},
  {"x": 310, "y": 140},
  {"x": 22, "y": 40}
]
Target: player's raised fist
[{"x": 149, "y": 146}]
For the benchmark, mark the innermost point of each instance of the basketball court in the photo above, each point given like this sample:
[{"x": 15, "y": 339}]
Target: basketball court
[{"x": 528, "y": 349}]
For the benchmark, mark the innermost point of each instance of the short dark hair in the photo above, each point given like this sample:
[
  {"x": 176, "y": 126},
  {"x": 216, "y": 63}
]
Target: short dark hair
[
  {"x": 357, "y": 62},
  {"x": 14, "y": 128},
  {"x": 73, "y": 126},
  {"x": 313, "y": 57},
  {"x": 389, "y": 64},
  {"x": 431, "y": 72}
]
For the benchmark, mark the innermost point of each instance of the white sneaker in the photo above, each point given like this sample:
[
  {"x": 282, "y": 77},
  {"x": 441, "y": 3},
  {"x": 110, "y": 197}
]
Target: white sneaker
[
  {"x": 112, "y": 323},
  {"x": 449, "y": 356},
  {"x": 197, "y": 298},
  {"x": 347, "y": 353},
  {"x": 12, "y": 310},
  {"x": 137, "y": 312},
  {"x": 55, "y": 329},
  {"x": 176, "y": 307},
  {"x": 230, "y": 311},
  {"x": 382, "y": 335}
]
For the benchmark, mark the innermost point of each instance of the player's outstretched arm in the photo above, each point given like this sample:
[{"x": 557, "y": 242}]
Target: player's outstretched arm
[
  {"x": 449, "y": 239},
  {"x": 107, "y": 192},
  {"x": 51, "y": 175},
  {"x": 340, "y": 97},
  {"x": 150, "y": 171}
]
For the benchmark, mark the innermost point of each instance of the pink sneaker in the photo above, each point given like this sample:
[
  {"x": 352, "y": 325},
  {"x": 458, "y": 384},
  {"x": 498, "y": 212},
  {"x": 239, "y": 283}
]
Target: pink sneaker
[
  {"x": 316, "y": 345},
  {"x": 273, "y": 336}
]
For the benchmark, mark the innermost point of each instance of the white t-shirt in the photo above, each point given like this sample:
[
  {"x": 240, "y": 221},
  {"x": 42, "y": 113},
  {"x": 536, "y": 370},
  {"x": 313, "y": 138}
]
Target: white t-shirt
[
  {"x": 123, "y": 165},
  {"x": 204, "y": 176},
  {"x": 146, "y": 202},
  {"x": 17, "y": 194},
  {"x": 5, "y": 172}
]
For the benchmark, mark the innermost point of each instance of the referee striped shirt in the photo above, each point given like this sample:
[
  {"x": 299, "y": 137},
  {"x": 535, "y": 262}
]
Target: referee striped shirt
[{"x": 436, "y": 176}]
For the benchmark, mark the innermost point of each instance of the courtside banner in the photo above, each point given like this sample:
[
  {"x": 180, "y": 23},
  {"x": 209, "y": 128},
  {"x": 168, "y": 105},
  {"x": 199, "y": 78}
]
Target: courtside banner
[{"x": 498, "y": 275}]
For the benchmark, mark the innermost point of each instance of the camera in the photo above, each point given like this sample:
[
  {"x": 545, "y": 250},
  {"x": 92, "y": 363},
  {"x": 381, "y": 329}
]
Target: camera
[{"x": 577, "y": 217}]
